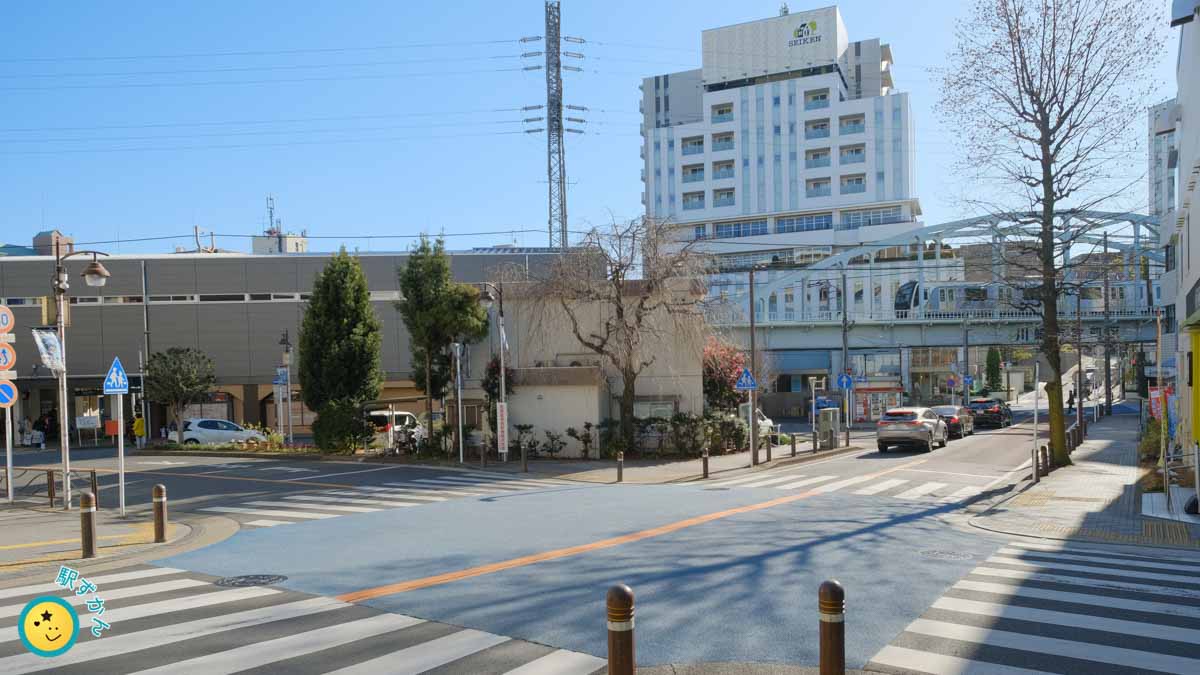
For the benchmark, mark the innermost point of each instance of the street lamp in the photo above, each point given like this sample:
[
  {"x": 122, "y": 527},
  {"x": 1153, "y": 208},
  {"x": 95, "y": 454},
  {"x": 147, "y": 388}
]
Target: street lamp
[
  {"x": 95, "y": 276},
  {"x": 286, "y": 343},
  {"x": 487, "y": 299}
]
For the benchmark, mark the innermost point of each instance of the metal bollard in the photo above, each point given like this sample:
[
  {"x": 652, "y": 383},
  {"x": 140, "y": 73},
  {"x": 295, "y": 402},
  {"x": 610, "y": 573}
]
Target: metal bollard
[
  {"x": 621, "y": 660},
  {"x": 814, "y": 442},
  {"x": 95, "y": 488},
  {"x": 793, "y": 445},
  {"x": 160, "y": 513},
  {"x": 87, "y": 524},
  {"x": 620, "y": 466},
  {"x": 704, "y": 459},
  {"x": 50, "y": 485},
  {"x": 770, "y": 444},
  {"x": 831, "y": 604}
]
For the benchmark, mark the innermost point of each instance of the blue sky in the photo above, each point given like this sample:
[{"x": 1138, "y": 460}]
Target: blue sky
[{"x": 367, "y": 117}]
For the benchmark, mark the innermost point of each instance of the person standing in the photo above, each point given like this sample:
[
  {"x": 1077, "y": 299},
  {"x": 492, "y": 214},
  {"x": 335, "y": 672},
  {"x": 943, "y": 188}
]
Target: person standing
[
  {"x": 139, "y": 430},
  {"x": 1071, "y": 402}
]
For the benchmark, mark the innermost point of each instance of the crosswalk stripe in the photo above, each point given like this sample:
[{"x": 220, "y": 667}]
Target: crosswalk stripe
[
  {"x": 165, "y": 606},
  {"x": 1083, "y": 582},
  {"x": 396, "y": 488},
  {"x": 1088, "y": 651},
  {"x": 1107, "y": 601},
  {"x": 499, "y": 477},
  {"x": 351, "y": 500},
  {"x": 961, "y": 494},
  {"x": 473, "y": 487},
  {"x": 36, "y": 589},
  {"x": 881, "y": 486},
  {"x": 920, "y": 491},
  {"x": 1070, "y": 549},
  {"x": 426, "y": 656},
  {"x": 806, "y": 481},
  {"x": 1067, "y": 567},
  {"x": 561, "y": 662},
  {"x": 1081, "y": 557},
  {"x": 1073, "y": 619},
  {"x": 300, "y": 644},
  {"x": 735, "y": 481},
  {"x": 831, "y": 487},
  {"x": 264, "y": 522},
  {"x": 939, "y": 664},
  {"x": 769, "y": 481},
  {"x": 501, "y": 484},
  {"x": 327, "y": 507},
  {"x": 387, "y": 494},
  {"x": 268, "y": 512},
  {"x": 118, "y": 644},
  {"x": 116, "y": 594}
]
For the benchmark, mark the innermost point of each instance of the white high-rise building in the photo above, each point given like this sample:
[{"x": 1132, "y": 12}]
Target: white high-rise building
[{"x": 790, "y": 142}]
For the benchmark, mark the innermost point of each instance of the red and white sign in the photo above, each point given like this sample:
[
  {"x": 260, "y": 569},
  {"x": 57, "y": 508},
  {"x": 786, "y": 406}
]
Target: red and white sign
[
  {"x": 7, "y": 321},
  {"x": 8, "y": 356},
  {"x": 502, "y": 427}
]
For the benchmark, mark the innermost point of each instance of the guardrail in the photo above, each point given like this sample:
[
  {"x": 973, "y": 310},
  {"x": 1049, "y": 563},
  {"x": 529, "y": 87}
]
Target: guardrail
[{"x": 40, "y": 482}]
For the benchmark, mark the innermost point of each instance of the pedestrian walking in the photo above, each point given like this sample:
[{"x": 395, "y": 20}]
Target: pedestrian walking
[
  {"x": 139, "y": 430},
  {"x": 1071, "y": 401}
]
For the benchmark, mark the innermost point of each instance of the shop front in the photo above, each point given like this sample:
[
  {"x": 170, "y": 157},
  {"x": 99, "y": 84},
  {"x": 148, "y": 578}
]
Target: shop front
[{"x": 872, "y": 399}]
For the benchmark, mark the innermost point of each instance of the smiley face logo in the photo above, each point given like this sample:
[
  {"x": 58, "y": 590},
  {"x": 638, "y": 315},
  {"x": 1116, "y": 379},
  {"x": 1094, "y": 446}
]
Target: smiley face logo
[{"x": 48, "y": 626}]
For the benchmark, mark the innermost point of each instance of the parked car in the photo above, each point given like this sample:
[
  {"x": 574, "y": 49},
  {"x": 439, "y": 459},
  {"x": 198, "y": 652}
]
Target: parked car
[
  {"x": 991, "y": 412},
  {"x": 402, "y": 426},
  {"x": 917, "y": 428},
  {"x": 198, "y": 430},
  {"x": 960, "y": 420}
]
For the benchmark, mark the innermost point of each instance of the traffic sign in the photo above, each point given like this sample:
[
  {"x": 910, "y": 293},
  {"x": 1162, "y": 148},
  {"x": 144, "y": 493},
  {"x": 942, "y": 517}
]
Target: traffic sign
[
  {"x": 116, "y": 381},
  {"x": 844, "y": 381},
  {"x": 281, "y": 376},
  {"x": 8, "y": 394},
  {"x": 8, "y": 356},
  {"x": 950, "y": 383},
  {"x": 968, "y": 380},
  {"x": 745, "y": 381},
  {"x": 7, "y": 322}
]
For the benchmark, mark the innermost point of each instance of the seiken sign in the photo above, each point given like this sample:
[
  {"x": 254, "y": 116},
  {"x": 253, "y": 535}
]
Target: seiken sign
[{"x": 805, "y": 34}]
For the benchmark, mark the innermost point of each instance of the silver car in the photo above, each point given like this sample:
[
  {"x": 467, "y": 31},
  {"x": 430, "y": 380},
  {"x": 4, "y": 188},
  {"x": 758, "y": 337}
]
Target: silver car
[{"x": 916, "y": 428}]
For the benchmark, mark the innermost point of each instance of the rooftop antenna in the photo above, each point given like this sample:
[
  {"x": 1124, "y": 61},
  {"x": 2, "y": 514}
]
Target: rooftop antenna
[{"x": 783, "y": 9}]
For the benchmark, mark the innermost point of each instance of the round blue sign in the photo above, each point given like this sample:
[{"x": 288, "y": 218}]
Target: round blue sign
[{"x": 8, "y": 394}]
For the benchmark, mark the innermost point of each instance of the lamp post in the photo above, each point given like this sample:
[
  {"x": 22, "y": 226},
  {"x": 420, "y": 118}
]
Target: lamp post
[
  {"x": 286, "y": 343},
  {"x": 95, "y": 276},
  {"x": 488, "y": 299}
]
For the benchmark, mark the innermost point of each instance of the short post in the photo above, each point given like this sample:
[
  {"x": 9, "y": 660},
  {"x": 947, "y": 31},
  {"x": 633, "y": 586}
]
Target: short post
[
  {"x": 620, "y": 466},
  {"x": 87, "y": 524},
  {"x": 619, "y": 603},
  {"x": 814, "y": 441},
  {"x": 831, "y": 603},
  {"x": 160, "y": 513},
  {"x": 793, "y": 445},
  {"x": 847, "y": 434},
  {"x": 95, "y": 488},
  {"x": 50, "y": 485},
  {"x": 770, "y": 444},
  {"x": 704, "y": 460},
  {"x": 1045, "y": 461}
]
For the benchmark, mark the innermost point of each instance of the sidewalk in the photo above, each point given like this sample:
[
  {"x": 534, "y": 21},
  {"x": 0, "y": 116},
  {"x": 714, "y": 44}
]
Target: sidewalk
[{"x": 1097, "y": 499}]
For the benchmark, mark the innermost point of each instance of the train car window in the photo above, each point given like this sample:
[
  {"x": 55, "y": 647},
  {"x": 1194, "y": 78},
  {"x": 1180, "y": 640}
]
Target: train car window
[{"x": 975, "y": 294}]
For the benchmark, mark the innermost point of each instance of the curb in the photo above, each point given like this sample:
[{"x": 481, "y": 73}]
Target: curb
[{"x": 774, "y": 463}]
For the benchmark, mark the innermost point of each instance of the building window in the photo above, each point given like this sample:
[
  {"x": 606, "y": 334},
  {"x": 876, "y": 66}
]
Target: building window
[
  {"x": 693, "y": 173},
  {"x": 852, "y": 220},
  {"x": 819, "y": 187},
  {"x": 723, "y": 197},
  {"x": 722, "y": 169},
  {"x": 699, "y": 231},
  {"x": 815, "y": 159},
  {"x": 693, "y": 200},
  {"x": 853, "y": 184},
  {"x": 854, "y": 124},
  {"x": 853, "y": 154},
  {"x": 816, "y": 129},
  {"x": 722, "y": 141},
  {"x": 814, "y": 100},
  {"x": 747, "y": 228},
  {"x": 806, "y": 223},
  {"x": 775, "y": 101},
  {"x": 722, "y": 112},
  {"x": 693, "y": 145}
]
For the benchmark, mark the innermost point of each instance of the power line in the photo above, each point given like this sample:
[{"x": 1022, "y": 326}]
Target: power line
[
  {"x": 249, "y": 69},
  {"x": 277, "y": 52},
  {"x": 261, "y": 132}
]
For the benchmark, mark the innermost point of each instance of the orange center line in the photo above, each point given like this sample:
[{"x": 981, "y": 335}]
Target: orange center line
[{"x": 557, "y": 554}]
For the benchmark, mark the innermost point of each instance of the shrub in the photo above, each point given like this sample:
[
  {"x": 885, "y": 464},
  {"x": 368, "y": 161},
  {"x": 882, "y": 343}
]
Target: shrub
[
  {"x": 554, "y": 443},
  {"x": 341, "y": 427},
  {"x": 610, "y": 438},
  {"x": 687, "y": 434},
  {"x": 584, "y": 437}
]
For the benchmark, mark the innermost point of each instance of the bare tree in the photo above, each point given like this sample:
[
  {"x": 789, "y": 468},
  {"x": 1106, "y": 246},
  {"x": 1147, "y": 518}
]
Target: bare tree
[
  {"x": 630, "y": 293},
  {"x": 1045, "y": 96}
]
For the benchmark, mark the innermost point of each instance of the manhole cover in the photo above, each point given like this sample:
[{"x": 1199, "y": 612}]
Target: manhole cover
[
  {"x": 252, "y": 580},
  {"x": 946, "y": 555}
]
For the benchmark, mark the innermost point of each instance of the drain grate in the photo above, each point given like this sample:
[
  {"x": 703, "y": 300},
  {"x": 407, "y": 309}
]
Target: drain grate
[
  {"x": 946, "y": 555},
  {"x": 252, "y": 580}
]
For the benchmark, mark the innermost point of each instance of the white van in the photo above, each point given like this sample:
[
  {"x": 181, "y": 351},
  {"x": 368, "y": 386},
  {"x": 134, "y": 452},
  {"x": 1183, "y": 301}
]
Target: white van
[{"x": 387, "y": 425}]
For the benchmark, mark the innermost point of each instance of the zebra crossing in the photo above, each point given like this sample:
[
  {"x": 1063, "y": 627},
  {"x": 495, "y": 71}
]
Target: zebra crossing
[
  {"x": 166, "y": 620},
  {"x": 285, "y": 509},
  {"x": 1060, "y": 609},
  {"x": 866, "y": 485}
]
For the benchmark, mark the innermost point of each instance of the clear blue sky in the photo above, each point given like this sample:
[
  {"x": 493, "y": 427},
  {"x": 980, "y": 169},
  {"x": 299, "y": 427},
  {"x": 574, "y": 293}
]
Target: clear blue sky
[{"x": 355, "y": 130}]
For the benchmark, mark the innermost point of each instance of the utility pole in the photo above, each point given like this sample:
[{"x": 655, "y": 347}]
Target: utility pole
[
  {"x": 1107, "y": 338},
  {"x": 753, "y": 371},
  {"x": 1079, "y": 358},
  {"x": 966, "y": 365},
  {"x": 849, "y": 393}
]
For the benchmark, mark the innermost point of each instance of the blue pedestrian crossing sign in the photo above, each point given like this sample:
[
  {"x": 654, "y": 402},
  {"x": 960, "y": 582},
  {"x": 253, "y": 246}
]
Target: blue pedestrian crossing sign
[
  {"x": 844, "y": 381},
  {"x": 116, "y": 381},
  {"x": 745, "y": 381},
  {"x": 968, "y": 380}
]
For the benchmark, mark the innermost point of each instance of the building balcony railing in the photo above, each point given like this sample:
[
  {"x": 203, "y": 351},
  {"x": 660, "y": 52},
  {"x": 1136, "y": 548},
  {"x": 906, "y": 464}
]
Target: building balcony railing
[
  {"x": 853, "y": 159},
  {"x": 810, "y": 134},
  {"x": 851, "y": 128},
  {"x": 816, "y": 163},
  {"x": 692, "y": 205},
  {"x": 853, "y": 188},
  {"x": 817, "y": 192},
  {"x": 723, "y": 173},
  {"x": 723, "y": 201},
  {"x": 816, "y": 104},
  {"x": 722, "y": 117},
  {"x": 693, "y": 149},
  {"x": 735, "y": 315},
  {"x": 722, "y": 145},
  {"x": 693, "y": 177}
]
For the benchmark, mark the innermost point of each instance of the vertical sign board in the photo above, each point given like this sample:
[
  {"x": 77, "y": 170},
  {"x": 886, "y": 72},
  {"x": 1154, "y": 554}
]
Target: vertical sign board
[
  {"x": 116, "y": 384},
  {"x": 8, "y": 393},
  {"x": 746, "y": 382},
  {"x": 502, "y": 429}
]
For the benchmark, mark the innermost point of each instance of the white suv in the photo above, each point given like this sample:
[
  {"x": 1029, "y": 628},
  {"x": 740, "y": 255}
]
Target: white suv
[{"x": 217, "y": 431}]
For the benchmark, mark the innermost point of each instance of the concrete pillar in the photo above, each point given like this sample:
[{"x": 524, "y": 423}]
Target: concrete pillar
[
  {"x": 937, "y": 253},
  {"x": 871, "y": 284},
  {"x": 921, "y": 269}
]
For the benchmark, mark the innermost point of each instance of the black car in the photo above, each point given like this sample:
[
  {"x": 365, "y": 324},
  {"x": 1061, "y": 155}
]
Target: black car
[
  {"x": 959, "y": 420},
  {"x": 991, "y": 412}
]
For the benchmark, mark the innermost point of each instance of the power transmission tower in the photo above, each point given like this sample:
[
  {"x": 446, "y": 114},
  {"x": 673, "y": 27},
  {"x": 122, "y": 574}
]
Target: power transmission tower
[{"x": 556, "y": 172}]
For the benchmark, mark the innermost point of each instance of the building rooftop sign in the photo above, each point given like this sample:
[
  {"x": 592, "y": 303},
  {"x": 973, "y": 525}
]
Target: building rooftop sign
[{"x": 779, "y": 44}]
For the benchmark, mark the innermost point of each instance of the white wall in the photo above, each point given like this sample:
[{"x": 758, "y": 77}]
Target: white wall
[{"x": 555, "y": 408}]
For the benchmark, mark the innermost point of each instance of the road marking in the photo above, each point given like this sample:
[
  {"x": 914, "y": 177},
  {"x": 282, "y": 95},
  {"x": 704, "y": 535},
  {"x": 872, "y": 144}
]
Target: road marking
[
  {"x": 118, "y": 644},
  {"x": 881, "y": 486},
  {"x": 117, "y": 594},
  {"x": 556, "y": 554},
  {"x": 346, "y": 473},
  {"x": 1083, "y": 582},
  {"x": 264, "y": 653},
  {"x": 953, "y": 473},
  {"x": 269, "y": 512},
  {"x": 327, "y": 507},
  {"x": 270, "y": 523},
  {"x": 961, "y": 494},
  {"x": 806, "y": 481},
  {"x": 1067, "y": 567},
  {"x": 54, "y": 542},
  {"x": 428, "y": 655},
  {"x": 492, "y": 482},
  {"x": 1088, "y": 651},
  {"x": 1064, "y": 548},
  {"x": 349, "y": 500},
  {"x": 1010, "y": 590},
  {"x": 1074, "y": 556},
  {"x": 384, "y": 497},
  {"x": 931, "y": 662},
  {"x": 1079, "y": 621},
  {"x": 473, "y": 487},
  {"x": 401, "y": 487},
  {"x": 920, "y": 491},
  {"x": 735, "y": 481},
  {"x": 103, "y": 579},
  {"x": 769, "y": 481},
  {"x": 288, "y": 469},
  {"x": 561, "y": 662},
  {"x": 830, "y": 487}
]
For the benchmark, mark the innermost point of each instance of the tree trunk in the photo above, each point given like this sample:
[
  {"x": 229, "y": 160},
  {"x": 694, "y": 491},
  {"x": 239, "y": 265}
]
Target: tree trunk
[
  {"x": 428, "y": 396},
  {"x": 627, "y": 419},
  {"x": 177, "y": 415},
  {"x": 1050, "y": 341}
]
